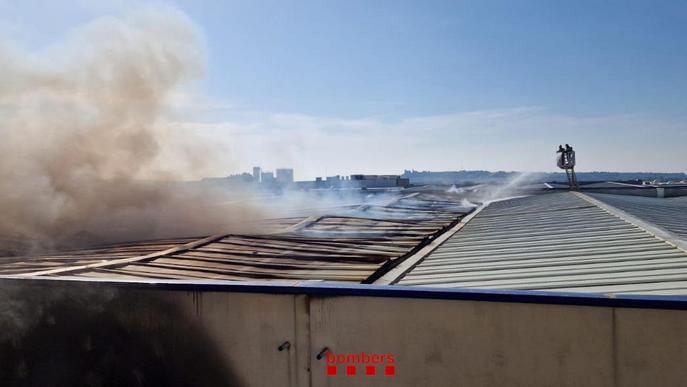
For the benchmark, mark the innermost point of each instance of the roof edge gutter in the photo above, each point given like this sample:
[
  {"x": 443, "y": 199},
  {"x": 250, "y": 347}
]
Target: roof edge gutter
[{"x": 317, "y": 288}]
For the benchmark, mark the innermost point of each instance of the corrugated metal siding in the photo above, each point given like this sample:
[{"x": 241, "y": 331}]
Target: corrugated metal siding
[
  {"x": 555, "y": 241},
  {"x": 667, "y": 213}
]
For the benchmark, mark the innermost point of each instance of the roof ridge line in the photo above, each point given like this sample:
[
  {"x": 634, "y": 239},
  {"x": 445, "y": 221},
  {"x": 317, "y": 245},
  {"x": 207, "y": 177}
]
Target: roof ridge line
[
  {"x": 537, "y": 212},
  {"x": 396, "y": 273},
  {"x": 653, "y": 230}
]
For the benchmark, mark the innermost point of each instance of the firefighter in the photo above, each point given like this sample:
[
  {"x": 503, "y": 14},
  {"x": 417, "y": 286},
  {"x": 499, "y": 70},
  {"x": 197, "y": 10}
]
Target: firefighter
[{"x": 562, "y": 159}]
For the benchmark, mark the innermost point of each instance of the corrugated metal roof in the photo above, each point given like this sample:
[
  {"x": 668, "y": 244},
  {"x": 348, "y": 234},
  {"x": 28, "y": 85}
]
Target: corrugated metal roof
[
  {"x": 667, "y": 213},
  {"x": 612, "y": 184},
  {"x": 356, "y": 244},
  {"x": 598, "y": 184},
  {"x": 57, "y": 259},
  {"x": 557, "y": 241}
]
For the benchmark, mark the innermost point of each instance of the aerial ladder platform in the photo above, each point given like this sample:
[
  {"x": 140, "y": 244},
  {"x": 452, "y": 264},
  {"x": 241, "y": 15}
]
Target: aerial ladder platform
[{"x": 566, "y": 160}]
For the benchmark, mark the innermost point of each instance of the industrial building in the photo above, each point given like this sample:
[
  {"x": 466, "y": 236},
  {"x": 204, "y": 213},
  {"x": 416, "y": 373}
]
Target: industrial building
[
  {"x": 670, "y": 214},
  {"x": 368, "y": 181},
  {"x": 355, "y": 243},
  {"x": 555, "y": 242},
  {"x": 284, "y": 176},
  {"x": 357, "y": 181},
  {"x": 548, "y": 287}
]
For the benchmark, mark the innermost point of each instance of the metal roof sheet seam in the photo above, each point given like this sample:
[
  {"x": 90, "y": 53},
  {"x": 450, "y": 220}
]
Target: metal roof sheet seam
[
  {"x": 555, "y": 241},
  {"x": 652, "y": 228},
  {"x": 670, "y": 214},
  {"x": 394, "y": 275}
]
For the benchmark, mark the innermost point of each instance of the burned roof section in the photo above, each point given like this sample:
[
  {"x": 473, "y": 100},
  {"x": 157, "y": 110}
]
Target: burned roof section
[{"x": 354, "y": 244}]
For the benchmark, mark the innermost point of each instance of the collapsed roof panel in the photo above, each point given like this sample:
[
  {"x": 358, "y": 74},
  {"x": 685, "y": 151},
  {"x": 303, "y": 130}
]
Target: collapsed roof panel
[{"x": 356, "y": 244}]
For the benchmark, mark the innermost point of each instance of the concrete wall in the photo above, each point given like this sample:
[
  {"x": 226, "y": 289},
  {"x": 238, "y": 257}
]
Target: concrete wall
[{"x": 230, "y": 336}]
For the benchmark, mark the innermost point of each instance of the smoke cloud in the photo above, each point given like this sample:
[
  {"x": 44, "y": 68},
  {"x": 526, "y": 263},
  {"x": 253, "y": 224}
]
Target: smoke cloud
[
  {"x": 81, "y": 135},
  {"x": 513, "y": 186}
]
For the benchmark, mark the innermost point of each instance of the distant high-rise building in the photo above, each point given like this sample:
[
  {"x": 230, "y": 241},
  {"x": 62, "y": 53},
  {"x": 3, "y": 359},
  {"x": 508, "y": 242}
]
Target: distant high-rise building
[
  {"x": 256, "y": 174},
  {"x": 284, "y": 176},
  {"x": 267, "y": 178}
]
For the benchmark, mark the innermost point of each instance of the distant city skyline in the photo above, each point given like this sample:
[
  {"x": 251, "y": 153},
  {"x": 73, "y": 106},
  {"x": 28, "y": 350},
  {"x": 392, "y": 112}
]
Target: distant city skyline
[
  {"x": 450, "y": 177},
  {"x": 341, "y": 87}
]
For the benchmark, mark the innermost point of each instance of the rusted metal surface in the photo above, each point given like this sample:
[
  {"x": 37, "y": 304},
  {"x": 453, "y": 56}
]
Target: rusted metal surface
[
  {"x": 354, "y": 244},
  {"x": 68, "y": 258}
]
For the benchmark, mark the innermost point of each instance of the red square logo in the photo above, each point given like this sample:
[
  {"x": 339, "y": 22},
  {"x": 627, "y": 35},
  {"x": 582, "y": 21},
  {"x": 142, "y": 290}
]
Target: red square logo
[
  {"x": 390, "y": 370},
  {"x": 350, "y": 370},
  {"x": 370, "y": 370},
  {"x": 331, "y": 370}
]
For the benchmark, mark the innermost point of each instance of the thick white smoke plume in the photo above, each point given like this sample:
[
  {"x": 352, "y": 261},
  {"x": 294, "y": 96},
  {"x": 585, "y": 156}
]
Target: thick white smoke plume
[{"x": 81, "y": 134}]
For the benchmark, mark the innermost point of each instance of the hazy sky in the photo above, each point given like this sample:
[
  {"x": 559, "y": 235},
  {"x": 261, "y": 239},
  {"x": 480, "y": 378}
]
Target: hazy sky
[{"x": 341, "y": 87}]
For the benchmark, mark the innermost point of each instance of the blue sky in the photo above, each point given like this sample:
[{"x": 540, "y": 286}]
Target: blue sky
[{"x": 380, "y": 86}]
